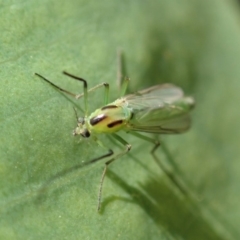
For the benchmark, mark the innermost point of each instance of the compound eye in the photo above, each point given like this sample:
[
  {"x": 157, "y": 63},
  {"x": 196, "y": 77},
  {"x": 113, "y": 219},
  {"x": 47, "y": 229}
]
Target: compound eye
[{"x": 86, "y": 134}]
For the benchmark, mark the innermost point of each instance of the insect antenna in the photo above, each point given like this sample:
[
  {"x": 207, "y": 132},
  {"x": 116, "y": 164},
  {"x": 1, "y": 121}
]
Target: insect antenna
[{"x": 76, "y": 115}]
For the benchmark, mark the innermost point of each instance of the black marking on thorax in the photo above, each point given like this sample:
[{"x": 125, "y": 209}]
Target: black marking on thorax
[
  {"x": 97, "y": 119},
  {"x": 109, "y": 106},
  {"x": 113, "y": 124}
]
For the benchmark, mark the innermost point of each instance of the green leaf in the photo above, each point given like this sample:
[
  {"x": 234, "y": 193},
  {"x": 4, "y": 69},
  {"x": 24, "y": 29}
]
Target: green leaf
[{"x": 194, "y": 44}]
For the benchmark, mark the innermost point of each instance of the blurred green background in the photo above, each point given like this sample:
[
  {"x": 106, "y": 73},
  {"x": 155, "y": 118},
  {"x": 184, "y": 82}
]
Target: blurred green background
[{"x": 194, "y": 44}]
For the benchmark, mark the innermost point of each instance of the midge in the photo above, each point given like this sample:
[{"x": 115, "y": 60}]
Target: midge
[{"x": 161, "y": 109}]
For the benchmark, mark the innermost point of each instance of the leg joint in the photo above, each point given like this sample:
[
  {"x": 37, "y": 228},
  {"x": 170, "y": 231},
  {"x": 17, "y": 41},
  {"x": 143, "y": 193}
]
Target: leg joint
[{"x": 110, "y": 152}]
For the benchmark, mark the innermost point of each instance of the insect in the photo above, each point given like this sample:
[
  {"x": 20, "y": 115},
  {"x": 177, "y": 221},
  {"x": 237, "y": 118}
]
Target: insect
[{"x": 161, "y": 109}]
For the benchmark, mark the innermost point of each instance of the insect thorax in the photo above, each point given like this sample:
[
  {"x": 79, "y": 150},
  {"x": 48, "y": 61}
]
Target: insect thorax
[{"x": 108, "y": 119}]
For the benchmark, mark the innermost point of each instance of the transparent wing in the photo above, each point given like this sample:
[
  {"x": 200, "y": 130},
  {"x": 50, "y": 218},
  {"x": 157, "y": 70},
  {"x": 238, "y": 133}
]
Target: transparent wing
[
  {"x": 159, "y": 109},
  {"x": 154, "y": 96}
]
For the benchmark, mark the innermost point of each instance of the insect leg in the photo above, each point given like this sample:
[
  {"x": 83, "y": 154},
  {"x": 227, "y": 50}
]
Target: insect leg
[
  {"x": 157, "y": 144},
  {"x": 119, "y": 67},
  {"x": 85, "y": 89},
  {"x": 77, "y": 96},
  {"x": 124, "y": 86},
  {"x": 73, "y": 169},
  {"x": 57, "y": 87},
  {"x": 122, "y": 80},
  {"x": 127, "y": 149},
  {"x": 106, "y": 94},
  {"x": 67, "y": 92}
]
